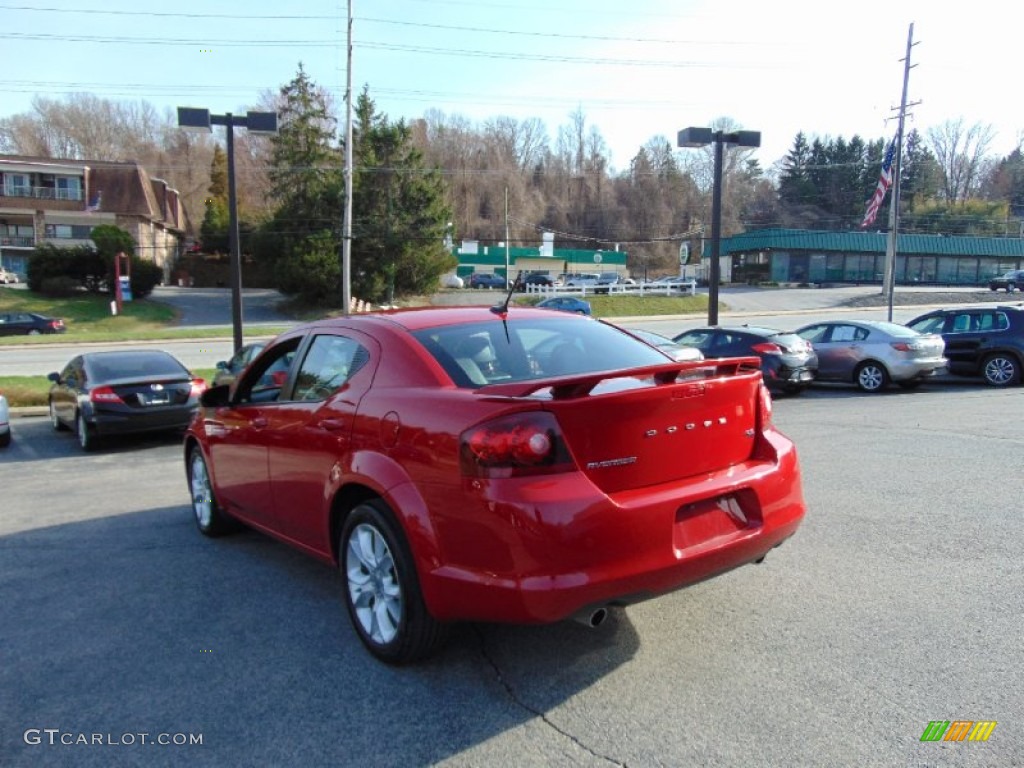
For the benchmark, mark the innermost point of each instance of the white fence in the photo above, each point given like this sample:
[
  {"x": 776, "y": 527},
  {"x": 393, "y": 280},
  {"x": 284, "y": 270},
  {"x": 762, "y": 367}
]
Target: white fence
[{"x": 650, "y": 289}]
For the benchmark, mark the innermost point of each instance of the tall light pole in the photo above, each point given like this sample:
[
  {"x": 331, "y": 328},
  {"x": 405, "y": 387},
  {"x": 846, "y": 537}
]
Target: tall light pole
[
  {"x": 701, "y": 137},
  {"x": 192, "y": 118}
]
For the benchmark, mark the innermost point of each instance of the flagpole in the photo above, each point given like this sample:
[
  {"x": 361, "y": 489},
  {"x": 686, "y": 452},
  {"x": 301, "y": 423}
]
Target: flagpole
[{"x": 889, "y": 284}]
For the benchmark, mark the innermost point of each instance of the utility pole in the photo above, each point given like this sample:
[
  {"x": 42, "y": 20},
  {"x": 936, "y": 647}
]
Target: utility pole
[
  {"x": 346, "y": 236},
  {"x": 889, "y": 281}
]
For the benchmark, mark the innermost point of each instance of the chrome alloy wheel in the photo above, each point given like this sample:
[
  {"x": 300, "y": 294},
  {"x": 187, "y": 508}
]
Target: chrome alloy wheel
[
  {"x": 202, "y": 495},
  {"x": 1000, "y": 370},
  {"x": 871, "y": 378},
  {"x": 373, "y": 585}
]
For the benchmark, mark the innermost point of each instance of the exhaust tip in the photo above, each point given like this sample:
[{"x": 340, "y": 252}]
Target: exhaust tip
[{"x": 591, "y": 618}]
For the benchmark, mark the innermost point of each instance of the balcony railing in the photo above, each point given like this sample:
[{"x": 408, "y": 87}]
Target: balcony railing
[
  {"x": 18, "y": 241},
  {"x": 42, "y": 193}
]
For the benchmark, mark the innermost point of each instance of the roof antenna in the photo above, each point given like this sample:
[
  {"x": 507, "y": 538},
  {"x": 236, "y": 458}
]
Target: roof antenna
[{"x": 502, "y": 309}]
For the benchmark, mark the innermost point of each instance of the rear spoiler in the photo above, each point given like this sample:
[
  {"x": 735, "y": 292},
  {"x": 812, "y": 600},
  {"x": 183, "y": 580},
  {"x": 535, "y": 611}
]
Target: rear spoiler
[{"x": 580, "y": 384}]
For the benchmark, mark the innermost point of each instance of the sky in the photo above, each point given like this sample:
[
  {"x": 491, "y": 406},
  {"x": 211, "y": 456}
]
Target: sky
[{"x": 636, "y": 70}]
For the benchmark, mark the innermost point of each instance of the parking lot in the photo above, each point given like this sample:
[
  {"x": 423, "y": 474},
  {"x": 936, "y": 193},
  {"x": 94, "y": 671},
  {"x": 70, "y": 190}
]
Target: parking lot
[{"x": 899, "y": 602}]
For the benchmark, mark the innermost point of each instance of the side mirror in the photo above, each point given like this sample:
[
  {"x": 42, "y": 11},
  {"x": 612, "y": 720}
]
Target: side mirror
[
  {"x": 222, "y": 365},
  {"x": 54, "y": 377},
  {"x": 216, "y": 397}
]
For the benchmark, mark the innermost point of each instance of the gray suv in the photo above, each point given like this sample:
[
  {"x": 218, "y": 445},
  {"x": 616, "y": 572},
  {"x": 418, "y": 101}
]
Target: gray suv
[
  {"x": 980, "y": 341},
  {"x": 1010, "y": 282}
]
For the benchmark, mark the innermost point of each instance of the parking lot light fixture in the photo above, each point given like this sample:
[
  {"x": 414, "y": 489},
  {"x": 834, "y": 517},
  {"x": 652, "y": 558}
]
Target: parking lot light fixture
[
  {"x": 700, "y": 137},
  {"x": 199, "y": 119}
]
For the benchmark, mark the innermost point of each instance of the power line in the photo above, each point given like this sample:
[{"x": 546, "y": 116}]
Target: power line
[{"x": 166, "y": 14}]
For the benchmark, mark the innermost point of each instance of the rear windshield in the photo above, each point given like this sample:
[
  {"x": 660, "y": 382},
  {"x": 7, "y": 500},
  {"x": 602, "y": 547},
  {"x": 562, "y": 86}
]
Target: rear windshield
[
  {"x": 899, "y": 331},
  {"x": 126, "y": 365},
  {"x": 787, "y": 339},
  {"x": 527, "y": 348}
]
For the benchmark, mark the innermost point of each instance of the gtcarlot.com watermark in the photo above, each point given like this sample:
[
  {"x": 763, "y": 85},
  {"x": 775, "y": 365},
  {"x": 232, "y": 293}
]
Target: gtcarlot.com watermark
[{"x": 57, "y": 737}]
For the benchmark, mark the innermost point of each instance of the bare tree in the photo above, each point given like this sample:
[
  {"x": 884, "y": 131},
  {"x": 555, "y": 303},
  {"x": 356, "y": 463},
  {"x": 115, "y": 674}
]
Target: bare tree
[{"x": 960, "y": 152}]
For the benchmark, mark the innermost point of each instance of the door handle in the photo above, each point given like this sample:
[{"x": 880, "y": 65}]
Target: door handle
[
  {"x": 332, "y": 425},
  {"x": 258, "y": 422}
]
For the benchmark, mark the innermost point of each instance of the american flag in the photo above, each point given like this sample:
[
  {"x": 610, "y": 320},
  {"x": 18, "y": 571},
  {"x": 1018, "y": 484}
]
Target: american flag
[{"x": 884, "y": 182}]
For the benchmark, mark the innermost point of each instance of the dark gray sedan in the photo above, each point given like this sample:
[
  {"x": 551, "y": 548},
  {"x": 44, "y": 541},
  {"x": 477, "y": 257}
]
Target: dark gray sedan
[
  {"x": 871, "y": 353},
  {"x": 114, "y": 393}
]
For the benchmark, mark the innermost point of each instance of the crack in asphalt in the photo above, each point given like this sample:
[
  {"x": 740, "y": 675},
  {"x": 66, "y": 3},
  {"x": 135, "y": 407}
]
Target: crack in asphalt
[{"x": 534, "y": 711}]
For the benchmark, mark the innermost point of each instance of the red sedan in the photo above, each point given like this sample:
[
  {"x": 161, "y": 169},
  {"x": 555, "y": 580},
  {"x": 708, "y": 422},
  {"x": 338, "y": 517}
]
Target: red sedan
[{"x": 471, "y": 464}]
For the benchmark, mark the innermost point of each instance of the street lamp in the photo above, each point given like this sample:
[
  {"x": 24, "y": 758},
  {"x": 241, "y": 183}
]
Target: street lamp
[
  {"x": 192, "y": 118},
  {"x": 701, "y": 137}
]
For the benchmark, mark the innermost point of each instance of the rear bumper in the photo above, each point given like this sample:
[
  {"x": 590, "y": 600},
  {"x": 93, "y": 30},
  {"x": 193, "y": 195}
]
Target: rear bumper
[
  {"x": 786, "y": 377},
  {"x": 132, "y": 422},
  {"x": 908, "y": 370},
  {"x": 566, "y": 547}
]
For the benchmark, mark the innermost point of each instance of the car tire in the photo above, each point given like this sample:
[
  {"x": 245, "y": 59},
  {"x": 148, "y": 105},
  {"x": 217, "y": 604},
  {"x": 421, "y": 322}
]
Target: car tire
[
  {"x": 382, "y": 590},
  {"x": 210, "y": 519},
  {"x": 55, "y": 422},
  {"x": 1001, "y": 370},
  {"x": 5, "y": 438},
  {"x": 34, "y": 332},
  {"x": 1011, "y": 287},
  {"x": 871, "y": 376},
  {"x": 86, "y": 436}
]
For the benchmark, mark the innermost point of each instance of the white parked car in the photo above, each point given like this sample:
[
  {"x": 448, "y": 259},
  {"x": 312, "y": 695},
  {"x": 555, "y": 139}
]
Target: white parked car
[
  {"x": 6, "y": 278},
  {"x": 5, "y": 423},
  {"x": 452, "y": 281}
]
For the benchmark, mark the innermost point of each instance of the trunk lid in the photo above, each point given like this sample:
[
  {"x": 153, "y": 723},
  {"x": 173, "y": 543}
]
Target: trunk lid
[{"x": 632, "y": 429}]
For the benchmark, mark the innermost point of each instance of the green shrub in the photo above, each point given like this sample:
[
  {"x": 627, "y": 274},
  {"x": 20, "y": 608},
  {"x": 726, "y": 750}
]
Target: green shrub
[
  {"x": 61, "y": 287},
  {"x": 144, "y": 278}
]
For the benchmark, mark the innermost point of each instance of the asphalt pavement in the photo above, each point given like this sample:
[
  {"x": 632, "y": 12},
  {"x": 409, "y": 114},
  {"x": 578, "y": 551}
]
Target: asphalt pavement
[{"x": 199, "y": 307}]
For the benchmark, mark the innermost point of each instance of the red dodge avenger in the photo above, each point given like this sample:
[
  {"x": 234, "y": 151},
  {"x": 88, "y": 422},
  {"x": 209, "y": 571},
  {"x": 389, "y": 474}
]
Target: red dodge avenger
[{"x": 502, "y": 465}]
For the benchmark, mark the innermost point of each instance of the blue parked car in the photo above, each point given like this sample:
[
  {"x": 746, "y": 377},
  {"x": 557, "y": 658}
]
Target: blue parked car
[
  {"x": 566, "y": 304},
  {"x": 488, "y": 280}
]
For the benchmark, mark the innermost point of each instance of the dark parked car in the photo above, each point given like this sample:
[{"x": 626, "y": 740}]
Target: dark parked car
[
  {"x": 671, "y": 348},
  {"x": 228, "y": 370},
  {"x": 872, "y": 353},
  {"x": 458, "y": 464},
  {"x": 114, "y": 393},
  {"x": 5, "y": 423},
  {"x": 1009, "y": 282},
  {"x": 788, "y": 363},
  {"x": 566, "y": 304},
  {"x": 535, "y": 278},
  {"x": 985, "y": 341},
  {"x": 21, "y": 323},
  {"x": 485, "y": 280}
]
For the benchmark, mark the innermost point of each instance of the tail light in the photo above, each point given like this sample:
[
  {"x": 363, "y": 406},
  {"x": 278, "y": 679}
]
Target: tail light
[
  {"x": 105, "y": 395},
  {"x": 56, "y": 324},
  {"x": 903, "y": 346},
  {"x": 767, "y": 348},
  {"x": 197, "y": 388},
  {"x": 514, "y": 446},
  {"x": 764, "y": 406}
]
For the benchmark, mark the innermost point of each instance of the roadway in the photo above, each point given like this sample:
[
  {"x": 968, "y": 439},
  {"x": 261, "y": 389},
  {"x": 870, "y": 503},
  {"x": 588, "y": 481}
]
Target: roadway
[
  {"x": 204, "y": 308},
  {"x": 900, "y": 601}
]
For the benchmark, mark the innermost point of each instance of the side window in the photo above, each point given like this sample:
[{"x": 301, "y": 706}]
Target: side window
[
  {"x": 961, "y": 323},
  {"x": 993, "y": 321},
  {"x": 844, "y": 333},
  {"x": 71, "y": 375},
  {"x": 267, "y": 382},
  {"x": 931, "y": 324},
  {"x": 330, "y": 362},
  {"x": 815, "y": 334}
]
